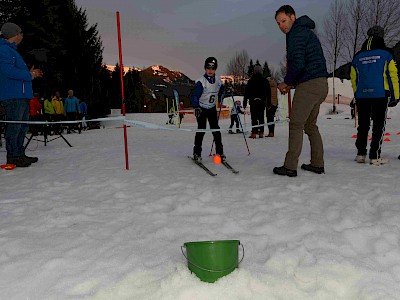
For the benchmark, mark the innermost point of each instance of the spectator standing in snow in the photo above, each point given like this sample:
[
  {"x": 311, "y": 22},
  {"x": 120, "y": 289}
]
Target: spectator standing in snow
[
  {"x": 71, "y": 109},
  {"x": 258, "y": 93},
  {"x": 235, "y": 111},
  {"x": 83, "y": 113},
  {"x": 306, "y": 69},
  {"x": 49, "y": 113},
  {"x": 15, "y": 93},
  {"x": 35, "y": 113},
  {"x": 353, "y": 108},
  {"x": 171, "y": 114},
  {"x": 272, "y": 106},
  {"x": 181, "y": 113},
  {"x": 207, "y": 92},
  {"x": 374, "y": 79},
  {"x": 59, "y": 111}
]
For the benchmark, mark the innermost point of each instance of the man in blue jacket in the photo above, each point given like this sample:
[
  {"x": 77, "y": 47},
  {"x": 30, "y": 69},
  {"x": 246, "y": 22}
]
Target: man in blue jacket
[
  {"x": 15, "y": 93},
  {"x": 306, "y": 70}
]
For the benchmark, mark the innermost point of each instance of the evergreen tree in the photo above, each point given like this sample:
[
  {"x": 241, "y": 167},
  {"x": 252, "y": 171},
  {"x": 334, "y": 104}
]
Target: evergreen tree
[
  {"x": 134, "y": 91},
  {"x": 250, "y": 71},
  {"x": 115, "y": 86},
  {"x": 266, "y": 70},
  {"x": 58, "y": 40}
]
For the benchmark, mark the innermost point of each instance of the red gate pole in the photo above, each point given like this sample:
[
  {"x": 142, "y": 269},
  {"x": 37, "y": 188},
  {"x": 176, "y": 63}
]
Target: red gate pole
[
  {"x": 121, "y": 73},
  {"x": 289, "y": 99}
]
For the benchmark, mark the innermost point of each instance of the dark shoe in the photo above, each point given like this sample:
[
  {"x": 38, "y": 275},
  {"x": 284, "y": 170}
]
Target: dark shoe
[
  {"x": 19, "y": 162},
  {"x": 230, "y": 131},
  {"x": 285, "y": 171},
  {"x": 253, "y": 135},
  {"x": 309, "y": 167},
  {"x": 261, "y": 135},
  {"x": 238, "y": 131},
  {"x": 399, "y": 157},
  {"x": 31, "y": 159},
  {"x": 197, "y": 157},
  {"x": 271, "y": 134},
  {"x": 223, "y": 157}
]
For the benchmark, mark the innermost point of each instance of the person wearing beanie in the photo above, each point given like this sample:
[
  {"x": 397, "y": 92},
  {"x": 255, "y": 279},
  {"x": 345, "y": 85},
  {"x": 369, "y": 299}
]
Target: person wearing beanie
[
  {"x": 306, "y": 69},
  {"x": 207, "y": 91},
  {"x": 258, "y": 94},
  {"x": 375, "y": 80},
  {"x": 15, "y": 93},
  {"x": 71, "y": 110}
]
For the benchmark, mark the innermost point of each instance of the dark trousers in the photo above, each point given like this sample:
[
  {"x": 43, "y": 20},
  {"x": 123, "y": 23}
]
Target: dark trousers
[
  {"x": 73, "y": 116},
  {"x": 211, "y": 116},
  {"x": 234, "y": 119},
  {"x": 375, "y": 109},
  {"x": 16, "y": 110},
  {"x": 257, "y": 112},
  {"x": 58, "y": 127},
  {"x": 49, "y": 118},
  {"x": 271, "y": 118},
  {"x": 35, "y": 129}
]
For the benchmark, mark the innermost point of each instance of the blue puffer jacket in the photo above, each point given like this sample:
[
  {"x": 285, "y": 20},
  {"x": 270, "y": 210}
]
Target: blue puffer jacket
[
  {"x": 304, "y": 53},
  {"x": 15, "y": 78}
]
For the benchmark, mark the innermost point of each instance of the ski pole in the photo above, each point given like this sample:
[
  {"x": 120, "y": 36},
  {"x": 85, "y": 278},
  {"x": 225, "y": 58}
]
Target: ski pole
[
  {"x": 240, "y": 122},
  {"x": 219, "y": 113}
]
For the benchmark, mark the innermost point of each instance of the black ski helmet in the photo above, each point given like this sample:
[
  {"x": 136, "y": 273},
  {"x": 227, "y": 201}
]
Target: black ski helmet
[{"x": 211, "y": 62}]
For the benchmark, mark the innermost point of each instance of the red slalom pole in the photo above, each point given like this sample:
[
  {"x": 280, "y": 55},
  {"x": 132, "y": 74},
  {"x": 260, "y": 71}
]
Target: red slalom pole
[
  {"x": 121, "y": 74},
  {"x": 289, "y": 99}
]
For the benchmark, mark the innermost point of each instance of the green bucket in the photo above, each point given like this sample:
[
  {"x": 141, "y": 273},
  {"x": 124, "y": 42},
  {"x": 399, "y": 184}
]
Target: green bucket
[{"x": 211, "y": 260}]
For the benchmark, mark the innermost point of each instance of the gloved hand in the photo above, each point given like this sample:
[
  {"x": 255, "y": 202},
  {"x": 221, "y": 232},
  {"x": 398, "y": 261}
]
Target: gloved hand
[
  {"x": 197, "y": 112},
  {"x": 393, "y": 102}
]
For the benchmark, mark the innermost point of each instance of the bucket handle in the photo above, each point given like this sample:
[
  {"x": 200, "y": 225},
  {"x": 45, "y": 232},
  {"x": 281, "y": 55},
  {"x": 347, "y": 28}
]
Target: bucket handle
[{"x": 214, "y": 271}]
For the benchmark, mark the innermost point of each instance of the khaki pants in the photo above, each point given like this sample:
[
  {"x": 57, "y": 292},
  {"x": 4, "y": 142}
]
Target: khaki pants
[{"x": 306, "y": 102}]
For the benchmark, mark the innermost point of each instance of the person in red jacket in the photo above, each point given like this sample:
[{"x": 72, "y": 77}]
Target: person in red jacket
[{"x": 35, "y": 113}]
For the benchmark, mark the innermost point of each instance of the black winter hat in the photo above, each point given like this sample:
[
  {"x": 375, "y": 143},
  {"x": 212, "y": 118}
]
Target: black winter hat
[
  {"x": 376, "y": 31},
  {"x": 211, "y": 62},
  {"x": 258, "y": 69},
  {"x": 9, "y": 30}
]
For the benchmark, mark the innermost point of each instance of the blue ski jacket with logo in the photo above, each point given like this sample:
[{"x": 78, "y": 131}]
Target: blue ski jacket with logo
[{"x": 373, "y": 71}]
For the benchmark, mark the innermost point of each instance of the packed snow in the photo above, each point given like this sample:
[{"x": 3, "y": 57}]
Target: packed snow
[{"x": 78, "y": 225}]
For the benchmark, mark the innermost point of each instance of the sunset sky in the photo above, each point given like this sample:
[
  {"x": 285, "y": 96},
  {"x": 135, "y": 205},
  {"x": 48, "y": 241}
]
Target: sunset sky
[{"x": 180, "y": 34}]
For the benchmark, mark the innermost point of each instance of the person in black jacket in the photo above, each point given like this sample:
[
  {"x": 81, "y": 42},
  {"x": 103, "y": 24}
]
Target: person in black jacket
[{"x": 258, "y": 92}]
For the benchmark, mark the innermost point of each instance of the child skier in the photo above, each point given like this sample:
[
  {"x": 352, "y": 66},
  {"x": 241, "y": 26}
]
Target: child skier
[
  {"x": 236, "y": 109},
  {"x": 208, "y": 90}
]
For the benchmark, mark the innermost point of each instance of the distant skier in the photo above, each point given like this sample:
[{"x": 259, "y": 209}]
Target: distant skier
[
  {"x": 207, "y": 92},
  {"x": 235, "y": 111}
]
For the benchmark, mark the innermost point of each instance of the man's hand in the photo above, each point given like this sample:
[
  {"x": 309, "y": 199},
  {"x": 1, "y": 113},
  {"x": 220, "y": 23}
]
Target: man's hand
[
  {"x": 36, "y": 72},
  {"x": 393, "y": 102},
  {"x": 197, "y": 112},
  {"x": 283, "y": 88}
]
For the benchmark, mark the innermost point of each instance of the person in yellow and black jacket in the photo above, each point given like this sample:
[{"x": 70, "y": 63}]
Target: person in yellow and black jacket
[{"x": 375, "y": 82}]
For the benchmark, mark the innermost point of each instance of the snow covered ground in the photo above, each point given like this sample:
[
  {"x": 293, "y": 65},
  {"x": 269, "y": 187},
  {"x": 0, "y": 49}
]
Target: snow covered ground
[{"x": 78, "y": 225}]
